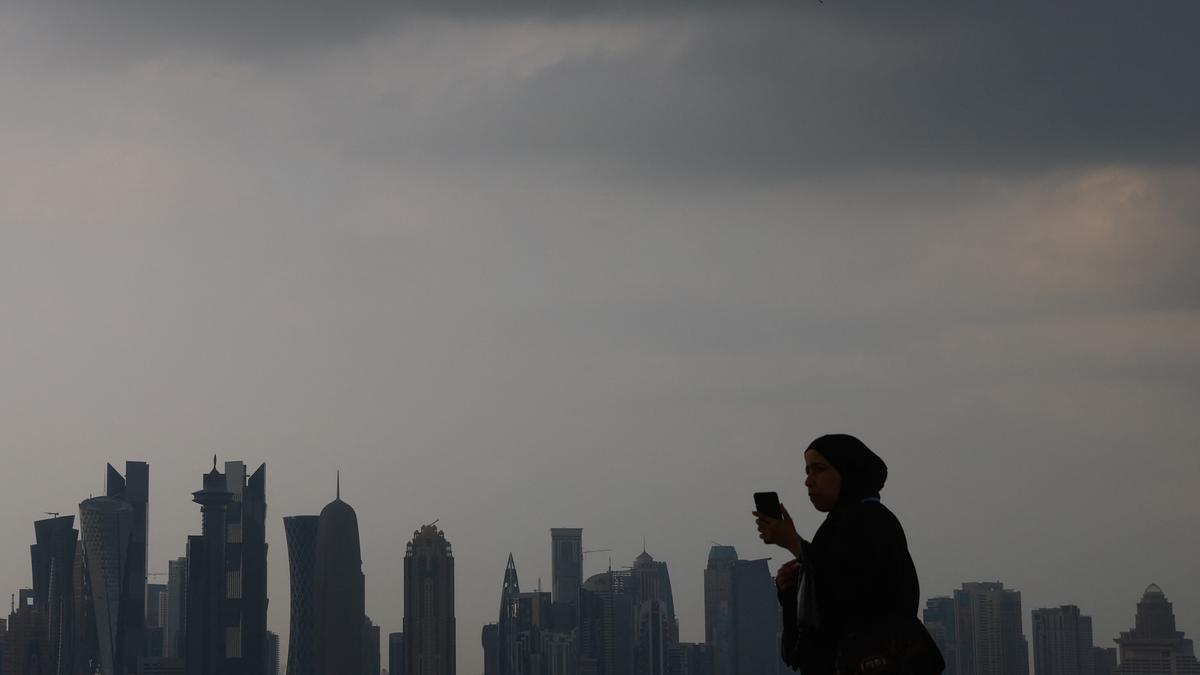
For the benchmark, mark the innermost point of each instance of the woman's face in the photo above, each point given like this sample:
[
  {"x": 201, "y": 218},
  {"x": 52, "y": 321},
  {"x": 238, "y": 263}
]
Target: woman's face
[{"x": 823, "y": 481}]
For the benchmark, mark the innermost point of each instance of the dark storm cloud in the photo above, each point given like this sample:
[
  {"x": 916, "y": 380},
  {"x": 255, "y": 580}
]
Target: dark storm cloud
[
  {"x": 759, "y": 91},
  {"x": 767, "y": 95}
]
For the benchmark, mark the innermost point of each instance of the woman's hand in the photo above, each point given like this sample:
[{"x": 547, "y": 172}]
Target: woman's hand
[
  {"x": 778, "y": 531},
  {"x": 788, "y": 576}
]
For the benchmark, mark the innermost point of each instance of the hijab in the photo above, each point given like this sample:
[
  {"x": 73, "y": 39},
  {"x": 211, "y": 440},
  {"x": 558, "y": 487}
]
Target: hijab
[{"x": 863, "y": 472}]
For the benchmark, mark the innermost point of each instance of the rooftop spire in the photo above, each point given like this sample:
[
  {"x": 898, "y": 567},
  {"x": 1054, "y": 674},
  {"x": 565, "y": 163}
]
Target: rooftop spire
[
  {"x": 339, "y": 484},
  {"x": 214, "y": 461}
]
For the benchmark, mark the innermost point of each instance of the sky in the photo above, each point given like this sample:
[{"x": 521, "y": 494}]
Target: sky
[{"x": 613, "y": 266}]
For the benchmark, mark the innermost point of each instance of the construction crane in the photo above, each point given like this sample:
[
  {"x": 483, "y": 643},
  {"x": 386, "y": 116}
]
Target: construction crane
[
  {"x": 52, "y": 514},
  {"x": 583, "y": 555}
]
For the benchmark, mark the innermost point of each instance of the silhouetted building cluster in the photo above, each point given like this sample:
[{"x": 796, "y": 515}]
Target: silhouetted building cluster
[
  {"x": 90, "y": 609},
  {"x": 979, "y": 632},
  {"x": 330, "y": 633},
  {"x": 623, "y": 622}
]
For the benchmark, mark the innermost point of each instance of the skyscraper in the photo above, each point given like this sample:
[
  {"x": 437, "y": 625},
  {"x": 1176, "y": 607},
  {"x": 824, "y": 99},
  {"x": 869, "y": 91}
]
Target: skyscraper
[
  {"x": 566, "y": 550},
  {"x": 990, "y": 640},
  {"x": 83, "y": 629},
  {"x": 939, "y": 621},
  {"x": 525, "y": 630},
  {"x": 429, "y": 630},
  {"x": 176, "y": 589},
  {"x": 607, "y": 634},
  {"x": 272, "y": 658},
  {"x": 657, "y": 635},
  {"x": 156, "y": 599},
  {"x": 1154, "y": 646},
  {"x": 245, "y": 612},
  {"x": 301, "y": 533},
  {"x": 53, "y": 558},
  {"x": 205, "y": 624},
  {"x": 1062, "y": 642},
  {"x": 396, "y": 663},
  {"x": 371, "y": 648},
  {"x": 106, "y": 525},
  {"x": 24, "y": 645},
  {"x": 719, "y": 608},
  {"x": 339, "y": 600},
  {"x": 134, "y": 489},
  {"x": 741, "y": 616}
]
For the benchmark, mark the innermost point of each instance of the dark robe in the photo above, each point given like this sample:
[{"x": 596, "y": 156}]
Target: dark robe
[{"x": 862, "y": 576}]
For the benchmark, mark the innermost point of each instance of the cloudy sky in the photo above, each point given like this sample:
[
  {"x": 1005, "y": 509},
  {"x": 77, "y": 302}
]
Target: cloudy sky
[{"x": 612, "y": 267}]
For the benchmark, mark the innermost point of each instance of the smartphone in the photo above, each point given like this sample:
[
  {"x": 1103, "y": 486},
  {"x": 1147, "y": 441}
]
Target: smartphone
[{"x": 767, "y": 503}]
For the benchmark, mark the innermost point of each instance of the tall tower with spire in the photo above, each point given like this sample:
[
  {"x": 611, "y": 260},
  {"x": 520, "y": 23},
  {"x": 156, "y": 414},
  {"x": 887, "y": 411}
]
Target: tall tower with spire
[
  {"x": 205, "y": 621},
  {"x": 339, "y": 591}
]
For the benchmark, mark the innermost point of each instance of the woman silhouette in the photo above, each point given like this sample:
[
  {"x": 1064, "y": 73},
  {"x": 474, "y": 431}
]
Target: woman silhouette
[{"x": 859, "y": 582}]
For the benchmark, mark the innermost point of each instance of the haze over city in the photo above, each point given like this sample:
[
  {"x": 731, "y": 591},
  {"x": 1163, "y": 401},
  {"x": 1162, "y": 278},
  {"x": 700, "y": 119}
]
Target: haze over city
[{"x": 612, "y": 267}]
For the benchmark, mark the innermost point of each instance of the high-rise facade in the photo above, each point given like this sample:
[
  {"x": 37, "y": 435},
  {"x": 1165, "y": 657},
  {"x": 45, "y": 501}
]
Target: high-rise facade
[
  {"x": 205, "y": 626},
  {"x": 657, "y": 629},
  {"x": 245, "y": 612},
  {"x": 173, "y": 619},
  {"x": 338, "y": 592},
  {"x": 134, "y": 489},
  {"x": 741, "y": 616},
  {"x": 429, "y": 624},
  {"x": 720, "y": 608},
  {"x": 988, "y": 627},
  {"x": 53, "y": 558},
  {"x": 301, "y": 534},
  {"x": 527, "y": 638},
  {"x": 371, "y": 635},
  {"x": 938, "y": 617},
  {"x": 225, "y": 597},
  {"x": 1062, "y": 642},
  {"x": 106, "y": 526},
  {"x": 566, "y": 550},
  {"x": 272, "y": 658},
  {"x": 83, "y": 630},
  {"x": 608, "y": 626},
  {"x": 24, "y": 644},
  {"x": 396, "y": 663},
  {"x": 156, "y": 601},
  {"x": 1154, "y": 646},
  {"x": 694, "y": 659}
]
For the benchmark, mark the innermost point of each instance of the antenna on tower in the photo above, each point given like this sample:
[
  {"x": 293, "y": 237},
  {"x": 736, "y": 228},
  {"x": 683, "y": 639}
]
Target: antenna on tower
[
  {"x": 214, "y": 461},
  {"x": 339, "y": 484}
]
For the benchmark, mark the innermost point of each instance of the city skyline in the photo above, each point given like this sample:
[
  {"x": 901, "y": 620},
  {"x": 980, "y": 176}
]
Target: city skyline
[
  {"x": 611, "y": 266},
  {"x": 566, "y": 545}
]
